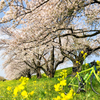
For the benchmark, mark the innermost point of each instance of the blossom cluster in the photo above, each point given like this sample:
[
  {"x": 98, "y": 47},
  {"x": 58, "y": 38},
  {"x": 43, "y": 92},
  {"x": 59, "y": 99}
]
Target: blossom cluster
[
  {"x": 20, "y": 89},
  {"x": 62, "y": 75},
  {"x": 59, "y": 88},
  {"x": 84, "y": 54},
  {"x": 77, "y": 62},
  {"x": 98, "y": 62},
  {"x": 69, "y": 96},
  {"x": 2, "y": 4}
]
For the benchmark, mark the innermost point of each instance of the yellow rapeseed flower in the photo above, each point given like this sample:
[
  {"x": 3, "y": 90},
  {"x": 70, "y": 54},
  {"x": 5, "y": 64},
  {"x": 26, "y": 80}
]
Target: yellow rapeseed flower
[
  {"x": 34, "y": 81},
  {"x": 82, "y": 52},
  {"x": 15, "y": 91},
  {"x": 21, "y": 78},
  {"x": 31, "y": 93},
  {"x": 85, "y": 54},
  {"x": 64, "y": 71},
  {"x": 86, "y": 64},
  {"x": 8, "y": 88},
  {"x": 57, "y": 87},
  {"x": 71, "y": 90},
  {"x": 44, "y": 75},
  {"x": 58, "y": 79},
  {"x": 69, "y": 95},
  {"x": 98, "y": 62},
  {"x": 27, "y": 78},
  {"x": 23, "y": 83},
  {"x": 93, "y": 98},
  {"x": 63, "y": 82},
  {"x": 62, "y": 94},
  {"x": 64, "y": 99},
  {"x": 45, "y": 92},
  {"x": 20, "y": 87},
  {"x": 77, "y": 72},
  {"x": 39, "y": 98},
  {"x": 98, "y": 72},
  {"x": 58, "y": 98},
  {"x": 35, "y": 87},
  {"x": 77, "y": 62},
  {"x": 24, "y": 94}
]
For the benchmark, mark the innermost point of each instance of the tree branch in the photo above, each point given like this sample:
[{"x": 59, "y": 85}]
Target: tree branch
[
  {"x": 59, "y": 62},
  {"x": 28, "y": 64}
]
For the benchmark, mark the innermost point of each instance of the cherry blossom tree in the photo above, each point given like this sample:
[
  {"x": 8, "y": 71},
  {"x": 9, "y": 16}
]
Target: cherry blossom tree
[
  {"x": 42, "y": 22},
  {"x": 46, "y": 17},
  {"x": 21, "y": 55},
  {"x": 14, "y": 66},
  {"x": 48, "y": 57},
  {"x": 16, "y": 69},
  {"x": 78, "y": 49},
  {"x": 51, "y": 61}
]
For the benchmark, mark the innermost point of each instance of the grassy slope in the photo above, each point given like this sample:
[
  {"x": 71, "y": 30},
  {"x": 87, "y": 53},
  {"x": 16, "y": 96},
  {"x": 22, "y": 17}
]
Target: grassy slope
[{"x": 44, "y": 88}]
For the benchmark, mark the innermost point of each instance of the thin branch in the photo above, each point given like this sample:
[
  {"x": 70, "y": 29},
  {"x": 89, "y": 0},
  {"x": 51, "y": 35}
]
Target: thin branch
[{"x": 28, "y": 64}]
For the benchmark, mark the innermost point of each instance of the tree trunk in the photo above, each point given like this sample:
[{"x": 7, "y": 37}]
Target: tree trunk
[
  {"x": 29, "y": 75},
  {"x": 52, "y": 74},
  {"x": 77, "y": 67},
  {"x": 52, "y": 64},
  {"x": 38, "y": 71}
]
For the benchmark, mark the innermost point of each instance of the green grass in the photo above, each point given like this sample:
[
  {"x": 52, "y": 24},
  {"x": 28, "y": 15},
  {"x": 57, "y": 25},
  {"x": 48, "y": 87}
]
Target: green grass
[{"x": 43, "y": 88}]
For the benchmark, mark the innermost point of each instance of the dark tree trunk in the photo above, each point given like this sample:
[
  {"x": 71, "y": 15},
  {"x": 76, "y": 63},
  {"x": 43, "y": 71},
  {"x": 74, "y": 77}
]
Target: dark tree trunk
[
  {"x": 52, "y": 72},
  {"x": 29, "y": 75},
  {"x": 38, "y": 71},
  {"x": 77, "y": 67}
]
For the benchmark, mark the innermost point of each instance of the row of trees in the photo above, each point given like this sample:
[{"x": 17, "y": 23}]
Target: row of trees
[{"x": 41, "y": 34}]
